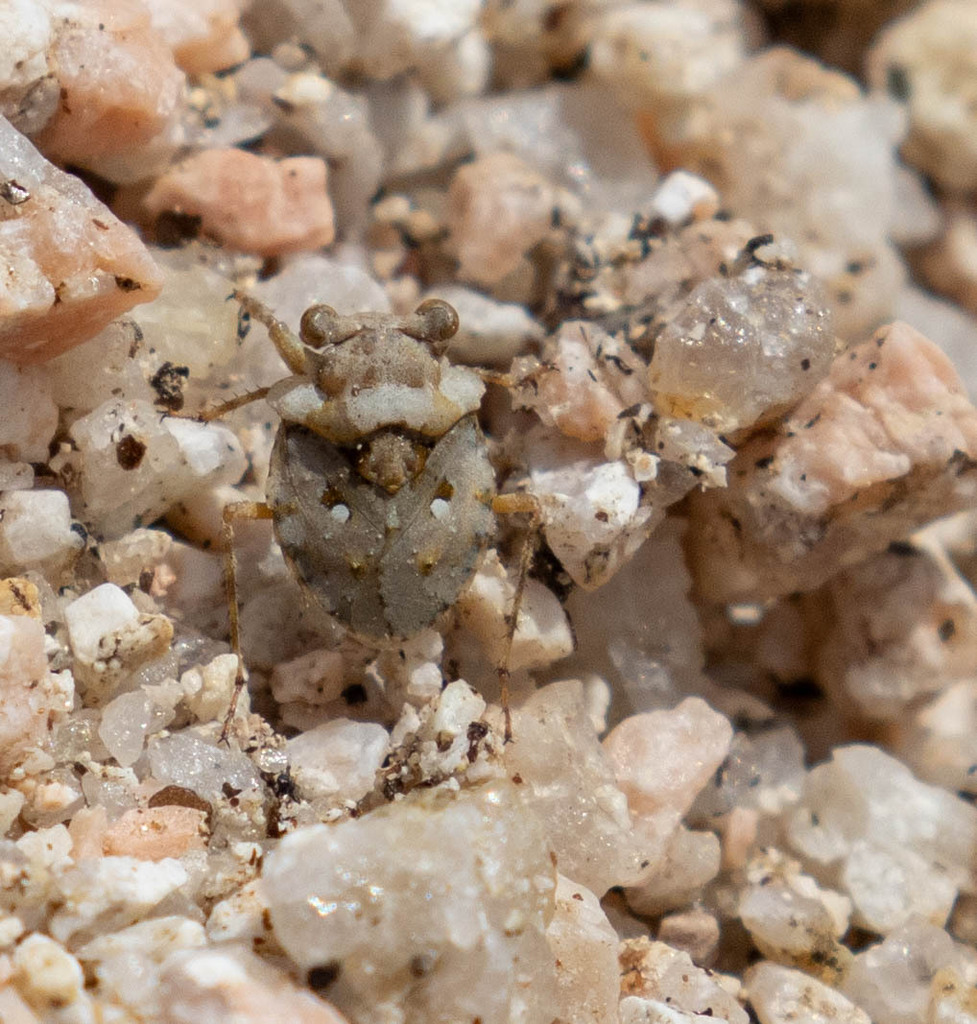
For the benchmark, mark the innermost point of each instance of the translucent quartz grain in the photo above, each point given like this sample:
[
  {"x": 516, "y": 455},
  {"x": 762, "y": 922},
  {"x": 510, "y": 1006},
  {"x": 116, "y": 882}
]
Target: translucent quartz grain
[{"x": 743, "y": 348}]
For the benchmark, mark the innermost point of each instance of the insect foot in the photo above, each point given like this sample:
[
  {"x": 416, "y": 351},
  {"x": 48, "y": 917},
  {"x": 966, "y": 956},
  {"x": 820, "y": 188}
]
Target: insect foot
[{"x": 380, "y": 488}]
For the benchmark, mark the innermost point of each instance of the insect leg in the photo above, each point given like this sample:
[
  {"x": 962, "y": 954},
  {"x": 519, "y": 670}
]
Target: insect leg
[
  {"x": 236, "y": 510},
  {"x": 215, "y": 412},
  {"x": 516, "y": 503},
  {"x": 290, "y": 348},
  {"x": 512, "y": 381}
]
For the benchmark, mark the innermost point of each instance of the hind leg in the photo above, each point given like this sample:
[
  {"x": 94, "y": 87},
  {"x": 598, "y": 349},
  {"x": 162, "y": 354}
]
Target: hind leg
[
  {"x": 516, "y": 503},
  {"x": 248, "y": 510}
]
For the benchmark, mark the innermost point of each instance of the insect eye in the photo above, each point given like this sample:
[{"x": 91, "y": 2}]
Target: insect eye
[
  {"x": 435, "y": 321},
  {"x": 321, "y": 325}
]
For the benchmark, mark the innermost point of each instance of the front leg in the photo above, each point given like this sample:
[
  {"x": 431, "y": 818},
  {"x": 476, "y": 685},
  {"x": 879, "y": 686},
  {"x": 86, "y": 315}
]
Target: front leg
[{"x": 289, "y": 346}]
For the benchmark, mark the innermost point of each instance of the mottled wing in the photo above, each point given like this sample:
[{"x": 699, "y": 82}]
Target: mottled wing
[
  {"x": 445, "y": 518},
  {"x": 330, "y": 524}
]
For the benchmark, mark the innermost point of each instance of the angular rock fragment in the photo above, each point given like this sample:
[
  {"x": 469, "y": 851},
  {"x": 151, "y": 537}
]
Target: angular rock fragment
[
  {"x": 111, "y": 639},
  {"x": 587, "y": 379},
  {"x": 653, "y": 970},
  {"x": 792, "y": 920},
  {"x": 129, "y": 465},
  {"x": 30, "y": 696},
  {"x": 203, "y": 34},
  {"x": 28, "y": 90},
  {"x": 940, "y": 744},
  {"x": 127, "y": 720},
  {"x": 949, "y": 266},
  {"x": 901, "y": 626},
  {"x": 695, "y": 932},
  {"x": 28, "y": 416},
  {"x": 500, "y": 207},
  {"x": 49, "y": 977},
  {"x": 571, "y": 789},
  {"x": 120, "y": 93},
  {"x": 796, "y": 149},
  {"x": 210, "y": 771},
  {"x": 640, "y": 630},
  {"x": 104, "y": 894},
  {"x": 637, "y": 1010},
  {"x": 71, "y": 266},
  {"x": 542, "y": 635},
  {"x": 900, "y": 848},
  {"x": 780, "y": 995},
  {"x": 650, "y": 53},
  {"x": 585, "y": 945},
  {"x": 916, "y": 974},
  {"x": 884, "y": 444},
  {"x": 593, "y": 516},
  {"x": 689, "y": 861},
  {"x": 923, "y": 59},
  {"x": 125, "y": 964},
  {"x": 337, "y": 760},
  {"x": 231, "y": 983},
  {"x": 249, "y": 202},
  {"x": 36, "y": 533},
  {"x": 153, "y": 833},
  {"x": 424, "y": 907},
  {"x": 661, "y": 759}
]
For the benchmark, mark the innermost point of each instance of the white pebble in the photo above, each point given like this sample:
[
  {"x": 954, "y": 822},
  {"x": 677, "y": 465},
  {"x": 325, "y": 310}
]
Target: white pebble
[
  {"x": 28, "y": 416},
  {"x": 35, "y": 531},
  {"x": 109, "y": 893},
  {"x": 682, "y": 197},
  {"x": 338, "y": 760},
  {"x": 360, "y": 891},
  {"x": 781, "y": 995},
  {"x": 109, "y": 637}
]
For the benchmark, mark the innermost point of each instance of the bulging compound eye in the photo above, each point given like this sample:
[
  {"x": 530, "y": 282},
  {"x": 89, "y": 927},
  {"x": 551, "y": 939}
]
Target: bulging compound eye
[
  {"x": 438, "y": 322},
  {"x": 321, "y": 325}
]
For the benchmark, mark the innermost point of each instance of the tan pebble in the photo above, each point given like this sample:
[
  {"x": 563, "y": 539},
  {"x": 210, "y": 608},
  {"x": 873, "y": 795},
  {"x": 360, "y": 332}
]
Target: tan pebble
[
  {"x": 47, "y": 974},
  {"x": 155, "y": 833},
  {"x": 949, "y": 265},
  {"x": 499, "y": 208},
  {"x": 661, "y": 759},
  {"x": 738, "y": 831},
  {"x": 654, "y": 970},
  {"x": 120, "y": 89},
  {"x": 249, "y": 202},
  {"x": 87, "y": 831},
  {"x": 929, "y": 58},
  {"x": 19, "y": 597},
  {"x": 13, "y": 1009},
  {"x": 572, "y": 390},
  {"x": 203, "y": 34},
  {"x": 695, "y": 932},
  {"x": 30, "y": 697}
]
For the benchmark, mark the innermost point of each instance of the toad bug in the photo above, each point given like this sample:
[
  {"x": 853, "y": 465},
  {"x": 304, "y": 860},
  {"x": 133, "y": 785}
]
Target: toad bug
[{"x": 380, "y": 489}]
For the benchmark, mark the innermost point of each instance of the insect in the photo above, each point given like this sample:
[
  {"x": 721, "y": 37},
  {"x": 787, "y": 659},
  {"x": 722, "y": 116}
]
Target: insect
[{"x": 380, "y": 489}]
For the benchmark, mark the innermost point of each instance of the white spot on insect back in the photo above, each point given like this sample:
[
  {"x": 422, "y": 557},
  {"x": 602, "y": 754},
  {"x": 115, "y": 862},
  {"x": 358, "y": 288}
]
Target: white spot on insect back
[
  {"x": 440, "y": 509},
  {"x": 340, "y": 513}
]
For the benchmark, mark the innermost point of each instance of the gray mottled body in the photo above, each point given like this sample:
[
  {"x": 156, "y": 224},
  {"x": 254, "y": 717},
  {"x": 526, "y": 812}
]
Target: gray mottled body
[{"x": 386, "y": 565}]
